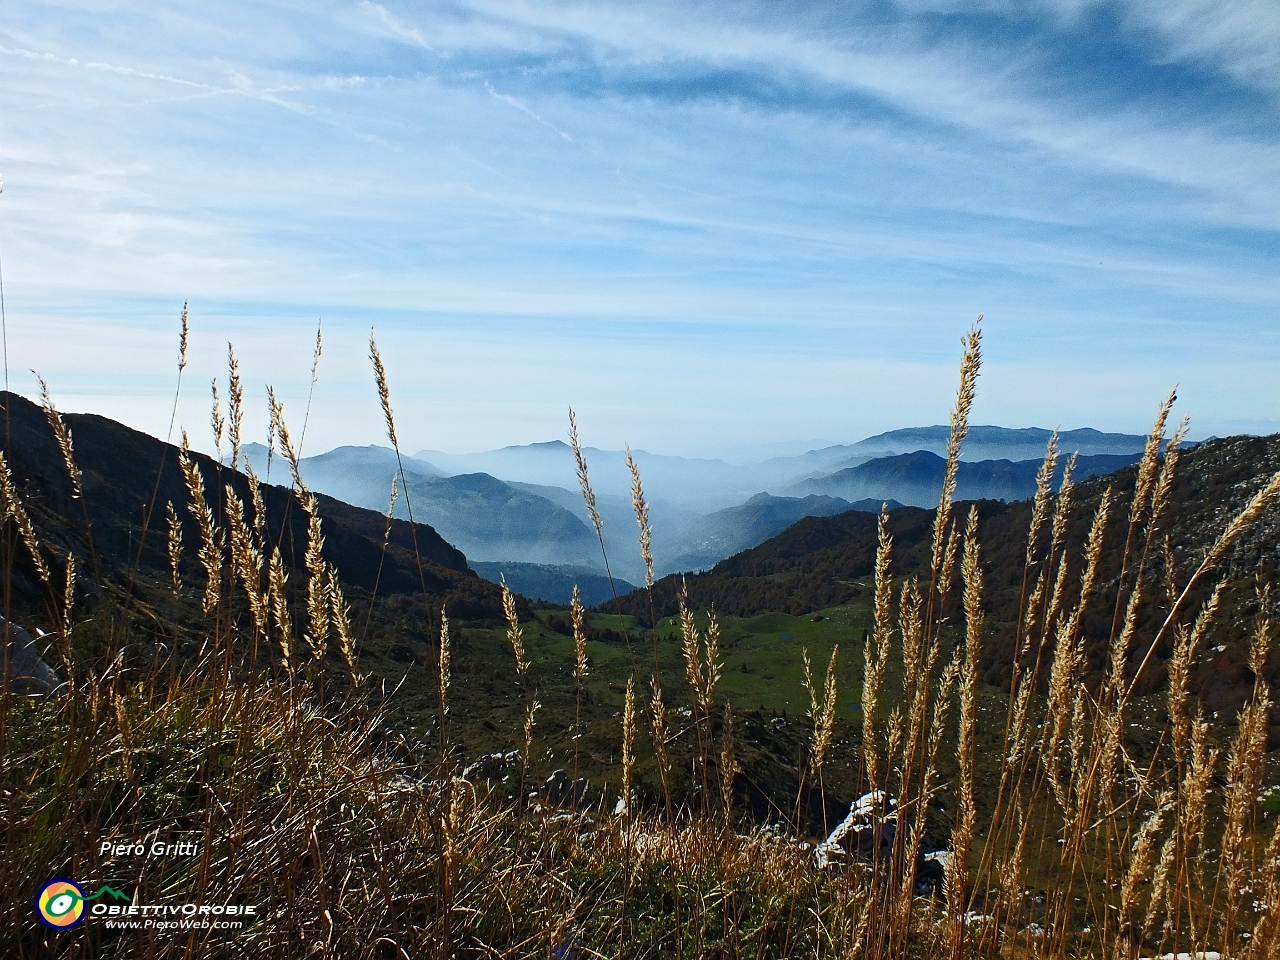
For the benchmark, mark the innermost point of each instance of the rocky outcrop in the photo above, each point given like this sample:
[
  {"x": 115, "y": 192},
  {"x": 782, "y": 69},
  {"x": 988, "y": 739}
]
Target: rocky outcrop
[{"x": 28, "y": 673}]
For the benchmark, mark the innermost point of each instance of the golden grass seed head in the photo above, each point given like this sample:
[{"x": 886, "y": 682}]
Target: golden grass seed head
[
  {"x": 271, "y": 428},
  {"x": 63, "y": 437},
  {"x": 872, "y": 678},
  {"x": 1260, "y": 645},
  {"x": 514, "y": 633},
  {"x": 808, "y": 684},
  {"x": 578, "y": 616},
  {"x": 971, "y": 570},
  {"x": 641, "y": 507},
  {"x": 1140, "y": 856},
  {"x": 824, "y": 720},
  {"x": 1160, "y": 880},
  {"x": 1170, "y": 573},
  {"x": 530, "y": 712},
  {"x": 384, "y": 391},
  {"x": 235, "y": 405},
  {"x": 319, "y": 348},
  {"x": 210, "y": 551},
  {"x": 948, "y": 561},
  {"x": 1030, "y": 615},
  {"x": 182, "y": 341},
  {"x": 259, "y": 509},
  {"x": 1093, "y": 546},
  {"x": 1246, "y": 768},
  {"x": 911, "y": 626},
  {"x": 246, "y": 562},
  {"x": 446, "y": 661},
  {"x": 728, "y": 763},
  {"x": 1124, "y": 640},
  {"x": 14, "y": 510},
  {"x": 281, "y": 433},
  {"x": 1172, "y": 453},
  {"x": 713, "y": 667},
  {"x": 658, "y": 724},
  {"x": 318, "y": 603},
  {"x": 276, "y": 581},
  {"x": 584, "y": 478},
  {"x": 895, "y": 733},
  {"x": 941, "y": 706},
  {"x": 883, "y": 581},
  {"x": 971, "y": 573},
  {"x": 1044, "y": 490},
  {"x": 876, "y": 653},
  {"x": 1150, "y": 460},
  {"x": 628, "y": 744},
  {"x": 969, "y": 366},
  {"x": 1198, "y": 779},
  {"x": 340, "y": 617},
  {"x": 690, "y": 643},
  {"x": 175, "y": 547},
  {"x": 1262, "y": 500},
  {"x": 1052, "y": 613},
  {"x": 1062, "y": 505},
  {"x": 68, "y": 605},
  {"x": 217, "y": 422}
]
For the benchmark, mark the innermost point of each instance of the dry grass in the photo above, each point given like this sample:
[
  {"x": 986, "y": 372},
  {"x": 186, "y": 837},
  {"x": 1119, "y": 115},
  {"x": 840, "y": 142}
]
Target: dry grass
[{"x": 356, "y": 850}]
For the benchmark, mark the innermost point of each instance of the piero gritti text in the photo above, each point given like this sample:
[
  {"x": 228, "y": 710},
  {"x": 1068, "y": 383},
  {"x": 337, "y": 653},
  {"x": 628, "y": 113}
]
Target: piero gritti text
[{"x": 157, "y": 848}]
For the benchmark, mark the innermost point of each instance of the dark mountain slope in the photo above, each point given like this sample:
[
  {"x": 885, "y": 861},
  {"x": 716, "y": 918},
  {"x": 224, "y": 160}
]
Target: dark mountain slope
[{"x": 120, "y": 467}]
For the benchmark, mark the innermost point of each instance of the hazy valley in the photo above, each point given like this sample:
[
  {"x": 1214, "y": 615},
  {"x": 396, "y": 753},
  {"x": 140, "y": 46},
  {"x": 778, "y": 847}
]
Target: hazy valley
[{"x": 521, "y": 505}]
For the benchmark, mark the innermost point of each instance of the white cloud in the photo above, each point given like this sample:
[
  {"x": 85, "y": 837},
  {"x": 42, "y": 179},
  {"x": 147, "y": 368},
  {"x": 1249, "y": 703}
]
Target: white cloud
[{"x": 377, "y": 162}]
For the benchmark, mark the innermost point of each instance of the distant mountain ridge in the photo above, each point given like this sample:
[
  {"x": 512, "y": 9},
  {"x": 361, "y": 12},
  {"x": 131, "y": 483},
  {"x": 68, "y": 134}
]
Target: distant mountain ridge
[
  {"x": 703, "y": 483},
  {"x": 986, "y": 442},
  {"x": 726, "y": 532},
  {"x": 916, "y": 479},
  {"x": 521, "y": 503}
]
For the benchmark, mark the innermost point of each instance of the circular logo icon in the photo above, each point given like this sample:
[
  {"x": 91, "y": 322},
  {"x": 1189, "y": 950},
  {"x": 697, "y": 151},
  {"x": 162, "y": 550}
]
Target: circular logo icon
[{"x": 60, "y": 903}]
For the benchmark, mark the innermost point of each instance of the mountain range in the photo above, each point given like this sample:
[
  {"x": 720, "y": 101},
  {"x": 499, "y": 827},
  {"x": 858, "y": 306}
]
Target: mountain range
[
  {"x": 812, "y": 563},
  {"x": 823, "y": 562},
  {"x": 521, "y": 506},
  {"x": 916, "y": 478}
]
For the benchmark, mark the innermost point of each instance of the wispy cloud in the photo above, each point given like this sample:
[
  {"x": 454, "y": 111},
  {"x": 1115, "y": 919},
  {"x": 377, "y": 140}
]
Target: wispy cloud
[
  {"x": 394, "y": 24},
  {"x": 523, "y": 108},
  {"x": 828, "y": 186}
]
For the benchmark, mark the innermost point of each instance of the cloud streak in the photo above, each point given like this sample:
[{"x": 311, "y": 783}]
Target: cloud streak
[{"x": 845, "y": 183}]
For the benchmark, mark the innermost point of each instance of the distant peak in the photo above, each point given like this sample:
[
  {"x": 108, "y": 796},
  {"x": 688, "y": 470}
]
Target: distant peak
[{"x": 544, "y": 445}]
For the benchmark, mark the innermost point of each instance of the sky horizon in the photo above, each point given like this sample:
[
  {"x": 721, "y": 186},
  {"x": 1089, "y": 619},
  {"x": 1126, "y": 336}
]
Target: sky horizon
[{"x": 702, "y": 225}]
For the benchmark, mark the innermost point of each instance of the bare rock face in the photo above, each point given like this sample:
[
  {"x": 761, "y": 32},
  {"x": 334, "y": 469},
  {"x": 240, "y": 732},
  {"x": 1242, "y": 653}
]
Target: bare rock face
[
  {"x": 28, "y": 673},
  {"x": 867, "y": 835}
]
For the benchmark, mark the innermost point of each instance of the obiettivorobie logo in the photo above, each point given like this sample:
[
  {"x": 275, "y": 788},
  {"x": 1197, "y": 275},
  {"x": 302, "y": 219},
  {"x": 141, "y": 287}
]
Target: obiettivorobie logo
[
  {"x": 63, "y": 904},
  {"x": 60, "y": 902}
]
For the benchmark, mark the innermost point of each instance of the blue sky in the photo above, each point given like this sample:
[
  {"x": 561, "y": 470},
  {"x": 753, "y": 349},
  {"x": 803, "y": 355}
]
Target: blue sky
[{"x": 702, "y": 224}]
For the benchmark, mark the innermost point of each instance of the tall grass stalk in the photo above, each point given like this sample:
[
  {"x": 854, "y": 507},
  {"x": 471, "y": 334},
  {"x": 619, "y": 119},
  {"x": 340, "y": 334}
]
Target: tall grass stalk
[
  {"x": 303, "y": 803},
  {"x": 589, "y": 495}
]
